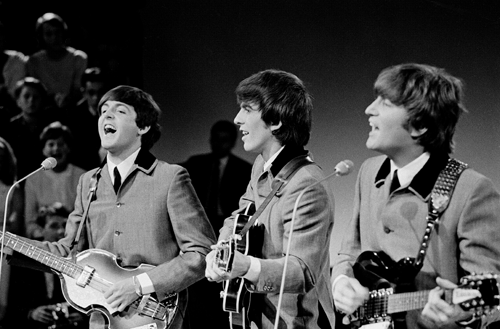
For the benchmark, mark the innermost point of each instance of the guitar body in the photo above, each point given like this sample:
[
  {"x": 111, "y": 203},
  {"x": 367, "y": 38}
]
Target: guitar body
[
  {"x": 89, "y": 299},
  {"x": 236, "y": 298},
  {"x": 85, "y": 279},
  {"x": 376, "y": 270},
  {"x": 392, "y": 294}
]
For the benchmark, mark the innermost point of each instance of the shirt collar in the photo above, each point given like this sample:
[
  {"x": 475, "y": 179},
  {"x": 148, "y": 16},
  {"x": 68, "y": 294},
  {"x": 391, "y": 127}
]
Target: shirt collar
[
  {"x": 269, "y": 162},
  {"x": 124, "y": 166},
  {"x": 423, "y": 182},
  {"x": 406, "y": 173}
]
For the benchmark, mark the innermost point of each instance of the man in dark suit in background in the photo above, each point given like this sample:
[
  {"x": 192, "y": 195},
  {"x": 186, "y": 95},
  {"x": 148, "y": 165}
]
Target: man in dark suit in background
[{"x": 219, "y": 179}]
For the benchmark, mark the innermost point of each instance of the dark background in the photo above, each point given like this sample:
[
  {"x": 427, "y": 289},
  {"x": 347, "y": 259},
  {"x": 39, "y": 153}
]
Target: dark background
[{"x": 190, "y": 55}]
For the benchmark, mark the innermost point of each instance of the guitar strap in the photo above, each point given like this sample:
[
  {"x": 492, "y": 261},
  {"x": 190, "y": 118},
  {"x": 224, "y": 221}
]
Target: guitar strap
[
  {"x": 92, "y": 191},
  {"x": 283, "y": 177},
  {"x": 440, "y": 198}
]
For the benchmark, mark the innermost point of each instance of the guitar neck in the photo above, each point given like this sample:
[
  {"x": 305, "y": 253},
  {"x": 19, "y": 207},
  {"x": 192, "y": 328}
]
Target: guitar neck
[
  {"x": 403, "y": 302},
  {"x": 40, "y": 255}
]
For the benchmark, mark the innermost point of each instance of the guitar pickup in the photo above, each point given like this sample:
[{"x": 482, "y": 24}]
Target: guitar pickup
[{"x": 85, "y": 276}]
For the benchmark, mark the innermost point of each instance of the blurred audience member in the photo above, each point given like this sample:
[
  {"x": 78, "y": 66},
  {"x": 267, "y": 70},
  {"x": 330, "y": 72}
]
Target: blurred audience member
[
  {"x": 23, "y": 131},
  {"x": 12, "y": 69},
  {"x": 39, "y": 302},
  {"x": 51, "y": 186},
  {"x": 58, "y": 66},
  {"x": 83, "y": 120},
  {"x": 14, "y": 218}
]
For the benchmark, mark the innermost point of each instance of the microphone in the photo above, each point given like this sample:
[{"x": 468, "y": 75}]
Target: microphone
[
  {"x": 47, "y": 164},
  {"x": 342, "y": 168}
]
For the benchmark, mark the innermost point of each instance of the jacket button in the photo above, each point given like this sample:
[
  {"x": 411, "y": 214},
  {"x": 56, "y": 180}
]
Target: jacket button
[
  {"x": 387, "y": 230},
  {"x": 118, "y": 204},
  {"x": 117, "y": 233}
]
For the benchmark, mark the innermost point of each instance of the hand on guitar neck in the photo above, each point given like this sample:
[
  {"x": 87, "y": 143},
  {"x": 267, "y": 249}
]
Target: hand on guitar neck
[
  {"x": 239, "y": 266},
  {"x": 348, "y": 296},
  {"x": 438, "y": 311}
]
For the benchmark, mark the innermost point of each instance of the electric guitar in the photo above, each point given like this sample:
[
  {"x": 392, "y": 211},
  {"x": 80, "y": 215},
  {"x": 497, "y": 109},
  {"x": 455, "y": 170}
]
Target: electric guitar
[
  {"x": 476, "y": 293},
  {"x": 236, "y": 299},
  {"x": 85, "y": 279}
]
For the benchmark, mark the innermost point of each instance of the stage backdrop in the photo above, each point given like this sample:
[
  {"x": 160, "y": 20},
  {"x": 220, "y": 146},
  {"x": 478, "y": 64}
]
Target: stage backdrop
[
  {"x": 196, "y": 52},
  {"x": 191, "y": 54}
]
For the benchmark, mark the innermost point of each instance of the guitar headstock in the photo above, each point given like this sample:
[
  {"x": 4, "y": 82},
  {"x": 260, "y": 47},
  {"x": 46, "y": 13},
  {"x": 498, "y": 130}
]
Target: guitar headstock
[{"x": 478, "y": 294}]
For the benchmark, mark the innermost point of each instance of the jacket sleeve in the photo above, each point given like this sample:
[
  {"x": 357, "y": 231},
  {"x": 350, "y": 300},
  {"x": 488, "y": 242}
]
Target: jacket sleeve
[{"x": 194, "y": 235}]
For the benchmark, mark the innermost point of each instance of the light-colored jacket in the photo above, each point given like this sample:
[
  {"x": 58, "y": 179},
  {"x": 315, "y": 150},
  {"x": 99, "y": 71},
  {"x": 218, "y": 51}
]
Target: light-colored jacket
[
  {"x": 465, "y": 240},
  {"x": 307, "y": 284}
]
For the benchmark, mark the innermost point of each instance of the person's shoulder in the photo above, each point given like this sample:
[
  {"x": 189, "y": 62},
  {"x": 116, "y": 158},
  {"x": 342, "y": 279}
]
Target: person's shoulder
[
  {"x": 15, "y": 55},
  {"x": 77, "y": 170},
  {"x": 167, "y": 168},
  {"x": 470, "y": 177},
  {"x": 77, "y": 52},
  {"x": 37, "y": 56}
]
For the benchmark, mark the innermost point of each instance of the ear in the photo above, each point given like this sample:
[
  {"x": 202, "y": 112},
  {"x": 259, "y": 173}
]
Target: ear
[
  {"x": 144, "y": 130},
  {"x": 416, "y": 133},
  {"x": 275, "y": 126}
]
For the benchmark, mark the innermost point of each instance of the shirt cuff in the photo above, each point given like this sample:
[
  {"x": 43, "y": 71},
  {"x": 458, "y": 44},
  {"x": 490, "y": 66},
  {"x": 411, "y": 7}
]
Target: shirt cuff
[
  {"x": 253, "y": 272},
  {"x": 146, "y": 283},
  {"x": 337, "y": 279}
]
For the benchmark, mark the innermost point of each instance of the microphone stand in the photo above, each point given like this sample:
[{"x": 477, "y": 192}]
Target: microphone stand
[
  {"x": 5, "y": 215},
  {"x": 338, "y": 172}
]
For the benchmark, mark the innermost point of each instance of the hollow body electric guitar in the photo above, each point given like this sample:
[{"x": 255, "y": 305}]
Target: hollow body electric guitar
[
  {"x": 236, "y": 299},
  {"x": 476, "y": 293},
  {"x": 85, "y": 279}
]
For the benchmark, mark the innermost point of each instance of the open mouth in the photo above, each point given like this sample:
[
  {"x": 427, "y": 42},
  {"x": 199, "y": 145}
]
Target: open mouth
[{"x": 109, "y": 129}]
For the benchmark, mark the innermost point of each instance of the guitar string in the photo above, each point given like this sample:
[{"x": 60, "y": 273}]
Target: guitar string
[{"x": 67, "y": 267}]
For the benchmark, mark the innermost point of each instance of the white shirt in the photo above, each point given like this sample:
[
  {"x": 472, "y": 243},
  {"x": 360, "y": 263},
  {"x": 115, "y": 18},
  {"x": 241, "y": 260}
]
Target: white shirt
[
  {"x": 123, "y": 167},
  {"x": 408, "y": 172}
]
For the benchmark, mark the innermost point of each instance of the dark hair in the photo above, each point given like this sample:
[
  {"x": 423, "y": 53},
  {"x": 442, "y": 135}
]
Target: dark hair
[
  {"x": 148, "y": 112},
  {"x": 432, "y": 97},
  {"x": 30, "y": 82},
  {"x": 281, "y": 96},
  {"x": 54, "y": 20},
  {"x": 56, "y": 130},
  {"x": 92, "y": 74},
  {"x": 55, "y": 209},
  {"x": 8, "y": 174},
  {"x": 225, "y": 126}
]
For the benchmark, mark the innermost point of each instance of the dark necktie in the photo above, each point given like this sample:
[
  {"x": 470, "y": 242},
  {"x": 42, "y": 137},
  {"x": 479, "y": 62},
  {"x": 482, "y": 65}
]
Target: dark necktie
[
  {"x": 118, "y": 179},
  {"x": 395, "y": 182}
]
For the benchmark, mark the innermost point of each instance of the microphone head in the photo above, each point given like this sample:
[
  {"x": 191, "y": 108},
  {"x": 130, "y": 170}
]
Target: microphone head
[
  {"x": 344, "y": 167},
  {"x": 49, "y": 163}
]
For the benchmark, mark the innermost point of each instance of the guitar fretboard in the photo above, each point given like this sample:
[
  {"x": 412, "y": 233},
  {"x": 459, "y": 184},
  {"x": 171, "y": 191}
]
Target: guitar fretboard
[
  {"x": 40, "y": 255},
  {"x": 384, "y": 303}
]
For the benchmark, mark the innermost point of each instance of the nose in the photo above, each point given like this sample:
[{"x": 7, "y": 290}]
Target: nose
[
  {"x": 370, "y": 110},
  {"x": 238, "y": 119},
  {"x": 109, "y": 114}
]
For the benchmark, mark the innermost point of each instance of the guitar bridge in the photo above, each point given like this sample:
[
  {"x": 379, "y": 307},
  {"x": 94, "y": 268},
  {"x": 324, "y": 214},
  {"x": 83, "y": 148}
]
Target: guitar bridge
[{"x": 85, "y": 276}]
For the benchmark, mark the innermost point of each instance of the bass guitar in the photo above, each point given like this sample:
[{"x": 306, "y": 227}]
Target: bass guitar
[
  {"x": 85, "y": 279},
  {"x": 476, "y": 293},
  {"x": 236, "y": 299}
]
